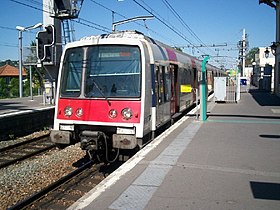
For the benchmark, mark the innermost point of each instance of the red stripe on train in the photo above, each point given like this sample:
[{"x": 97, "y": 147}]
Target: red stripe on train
[{"x": 98, "y": 110}]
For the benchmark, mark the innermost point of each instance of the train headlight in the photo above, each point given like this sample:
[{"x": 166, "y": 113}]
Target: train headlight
[
  {"x": 126, "y": 113},
  {"x": 79, "y": 112},
  {"x": 113, "y": 113},
  {"x": 68, "y": 111}
]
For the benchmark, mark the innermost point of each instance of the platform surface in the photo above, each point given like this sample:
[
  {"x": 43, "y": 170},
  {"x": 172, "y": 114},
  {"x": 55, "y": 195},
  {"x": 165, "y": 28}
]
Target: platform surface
[
  {"x": 12, "y": 106},
  {"x": 230, "y": 161}
]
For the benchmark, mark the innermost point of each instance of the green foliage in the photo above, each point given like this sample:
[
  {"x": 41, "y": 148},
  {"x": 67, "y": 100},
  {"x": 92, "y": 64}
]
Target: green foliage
[
  {"x": 250, "y": 57},
  {"x": 14, "y": 87},
  {"x": 10, "y": 62},
  {"x": 26, "y": 87},
  {"x": 4, "y": 89},
  {"x": 11, "y": 89}
]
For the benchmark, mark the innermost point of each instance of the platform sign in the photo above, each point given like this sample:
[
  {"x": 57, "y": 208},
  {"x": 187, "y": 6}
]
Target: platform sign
[
  {"x": 243, "y": 81},
  {"x": 186, "y": 88}
]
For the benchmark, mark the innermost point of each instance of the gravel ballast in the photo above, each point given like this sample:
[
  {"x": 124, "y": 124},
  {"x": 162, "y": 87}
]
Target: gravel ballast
[{"x": 22, "y": 180}]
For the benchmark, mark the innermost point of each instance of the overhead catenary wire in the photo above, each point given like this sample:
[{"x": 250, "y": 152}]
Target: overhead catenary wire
[
  {"x": 125, "y": 17},
  {"x": 8, "y": 45},
  {"x": 163, "y": 21},
  {"x": 186, "y": 26},
  {"x": 80, "y": 21},
  {"x": 174, "y": 29},
  {"x": 28, "y": 5},
  {"x": 8, "y": 28},
  {"x": 4, "y": 44},
  {"x": 89, "y": 23},
  {"x": 96, "y": 26},
  {"x": 169, "y": 6},
  {"x": 35, "y": 3}
]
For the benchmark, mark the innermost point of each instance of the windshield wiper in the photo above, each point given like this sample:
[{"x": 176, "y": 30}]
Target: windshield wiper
[{"x": 101, "y": 92}]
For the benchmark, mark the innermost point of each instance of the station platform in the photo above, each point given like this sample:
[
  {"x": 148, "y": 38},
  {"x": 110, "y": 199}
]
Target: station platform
[
  {"x": 13, "y": 106},
  {"x": 230, "y": 161},
  {"x": 23, "y": 116}
]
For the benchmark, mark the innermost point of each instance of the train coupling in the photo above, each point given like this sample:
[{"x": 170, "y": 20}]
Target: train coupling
[{"x": 92, "y": 140}]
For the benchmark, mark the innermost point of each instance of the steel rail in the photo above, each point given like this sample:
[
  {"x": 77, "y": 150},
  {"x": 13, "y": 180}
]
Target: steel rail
[
  {"x": 36, "y": 196},
  {"x": 4, "y": 162}
]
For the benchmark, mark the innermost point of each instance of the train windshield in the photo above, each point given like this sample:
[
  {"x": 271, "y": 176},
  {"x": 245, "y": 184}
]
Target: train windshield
[
  {"x": 113, "y": 71},
  {"x": 110, "y": 71},
  {"x": 72, "y": 72}
]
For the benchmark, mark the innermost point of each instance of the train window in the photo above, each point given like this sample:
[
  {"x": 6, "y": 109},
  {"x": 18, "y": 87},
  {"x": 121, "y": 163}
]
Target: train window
[
  {"x": 199, "y": 76},
  {"x": 157, "y": 86},
  {"x": 161, "y": 85},
  {"x": 167, "y": 84},
  {"x": 209, "y": 77},
  {"x": 113, "y": 71},
  {"x": 71, "y": 72},
  {"x": 184, "y": 79}
]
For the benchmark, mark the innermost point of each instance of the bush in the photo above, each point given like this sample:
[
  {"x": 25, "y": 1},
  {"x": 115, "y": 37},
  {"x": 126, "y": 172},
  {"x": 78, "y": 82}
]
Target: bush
[
  {"x": 4, "y": 88},
  {"x": 14, "y": 87}
]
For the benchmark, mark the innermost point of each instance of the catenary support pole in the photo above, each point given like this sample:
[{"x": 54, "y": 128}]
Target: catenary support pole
[{"x": 243, "y": 52}]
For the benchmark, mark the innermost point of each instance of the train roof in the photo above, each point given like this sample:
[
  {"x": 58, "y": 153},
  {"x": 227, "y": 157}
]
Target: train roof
[
  {"x": 136, "y": 35},
  {"x": 117, "y": 34}
]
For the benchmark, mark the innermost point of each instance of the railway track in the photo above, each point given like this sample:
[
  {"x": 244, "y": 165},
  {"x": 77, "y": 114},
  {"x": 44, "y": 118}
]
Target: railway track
[
  {"x": 67, "y": 190},
  {"x": 14, "y": 153}
]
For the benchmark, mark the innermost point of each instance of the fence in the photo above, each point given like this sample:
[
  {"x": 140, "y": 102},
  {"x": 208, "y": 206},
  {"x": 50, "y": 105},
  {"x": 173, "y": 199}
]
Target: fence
[
  {"x": 227, "y": 89},
  {"x": 29, "y": 56}
]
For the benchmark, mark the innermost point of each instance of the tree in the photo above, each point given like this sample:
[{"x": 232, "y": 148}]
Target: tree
[
  {"x": 14, "y": 87},
  {"x": 37, "y": 76},
  {"x": 10, "y": 62},
  {"x": 26, "y": 86},
  {"x": 4, "y": 89},
  {"x": 250, "y": 57}
]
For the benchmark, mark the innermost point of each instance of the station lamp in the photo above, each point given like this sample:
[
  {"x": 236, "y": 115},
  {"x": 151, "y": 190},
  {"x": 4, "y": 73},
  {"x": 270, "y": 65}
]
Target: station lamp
[
  {"x": 266, "y": 53},
  {"x": 274, "y": 47},
  {"x": 20, "y": 30}
]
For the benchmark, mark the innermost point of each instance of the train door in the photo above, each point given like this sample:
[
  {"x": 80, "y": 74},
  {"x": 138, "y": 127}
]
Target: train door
[
  {"x": 174, "y": 99},
  {"x": 159, "y": 93},
  {"x": 195, "y": 83},
  {"x": 210, "y": 81},
  {"x": 163, "y": 93}
]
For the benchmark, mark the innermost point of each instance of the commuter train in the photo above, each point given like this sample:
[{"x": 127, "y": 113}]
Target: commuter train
[{"x": 116, "y": 89}]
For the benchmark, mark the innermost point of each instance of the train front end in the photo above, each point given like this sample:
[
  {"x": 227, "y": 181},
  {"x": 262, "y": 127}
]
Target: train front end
[{"x": 98, "y": 100}]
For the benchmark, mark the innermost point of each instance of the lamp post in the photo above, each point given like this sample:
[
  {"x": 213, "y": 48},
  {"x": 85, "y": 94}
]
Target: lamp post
[
  {"x": 203, "y": 94},
  {"x": 20, "y": 30},
  {"x": 266, "y": 53},
  {"x": 274, "y": 47}
]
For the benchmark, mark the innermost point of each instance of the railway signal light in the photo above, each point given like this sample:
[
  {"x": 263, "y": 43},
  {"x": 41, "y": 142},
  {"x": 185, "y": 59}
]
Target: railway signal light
[
  {"x": 40, "y": 47},
  {"x": 45, "y": 41},
  {"x": 50, "y": 35}
]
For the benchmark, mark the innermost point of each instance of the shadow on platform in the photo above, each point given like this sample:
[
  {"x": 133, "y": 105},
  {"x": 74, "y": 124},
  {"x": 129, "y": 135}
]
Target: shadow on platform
[
  {"x": 11, "y": 105},
  {"x": 243, "y": 116},
  {"x": 265, "y": 190},
  {"x": 265, "y": 98}
]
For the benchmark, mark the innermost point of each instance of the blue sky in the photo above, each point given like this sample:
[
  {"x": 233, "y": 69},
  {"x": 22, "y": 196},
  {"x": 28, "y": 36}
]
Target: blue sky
[{"x": 212, "y": 21}]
